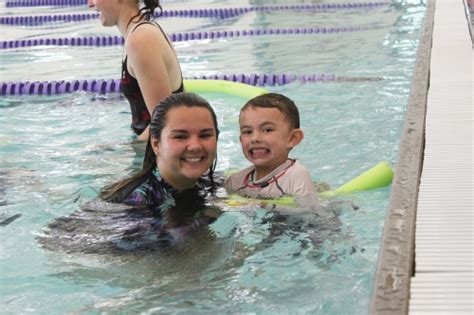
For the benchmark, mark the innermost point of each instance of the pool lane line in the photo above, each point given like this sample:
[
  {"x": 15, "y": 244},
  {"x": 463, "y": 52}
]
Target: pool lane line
[
  {"x": 221, "y": 12},
  {"x": 179, "y": 37},
  {"x": 105, "y": 86},
  {"x": 40, "y": 3}
]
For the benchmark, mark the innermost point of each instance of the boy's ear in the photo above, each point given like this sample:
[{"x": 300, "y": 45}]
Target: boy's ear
[{"x": 296, "y": 137}]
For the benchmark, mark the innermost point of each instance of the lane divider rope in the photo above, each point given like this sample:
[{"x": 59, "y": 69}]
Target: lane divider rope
[
  {"x": 38, "y": 3},
  {"x": 105, "y": 86},
  {"x": 176, "y": 37},
  {"x": 221, "y": 13}
]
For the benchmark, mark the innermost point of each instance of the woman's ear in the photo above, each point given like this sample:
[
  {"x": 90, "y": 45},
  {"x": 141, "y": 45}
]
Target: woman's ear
[
  {"x": 154, "y": 145},
  {"x": 296, "y": 136}
]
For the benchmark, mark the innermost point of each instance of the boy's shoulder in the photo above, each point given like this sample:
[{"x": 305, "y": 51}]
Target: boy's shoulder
[
  {"x": 298, "y": 181},
  {"x": 298, "y": 167}
]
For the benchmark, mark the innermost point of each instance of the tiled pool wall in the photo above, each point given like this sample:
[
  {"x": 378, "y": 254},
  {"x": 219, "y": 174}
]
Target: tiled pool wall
[{"x": 391, "y": 289}]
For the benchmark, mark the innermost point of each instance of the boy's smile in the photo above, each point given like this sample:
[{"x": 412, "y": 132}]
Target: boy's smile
[{"x": 258, "y": 152}]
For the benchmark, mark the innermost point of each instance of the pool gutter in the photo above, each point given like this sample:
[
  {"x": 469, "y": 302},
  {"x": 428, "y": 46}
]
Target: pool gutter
[{"x": 391, "y": 290}]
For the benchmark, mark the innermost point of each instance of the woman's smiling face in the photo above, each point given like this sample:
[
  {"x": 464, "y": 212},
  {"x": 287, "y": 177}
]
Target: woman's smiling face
[
  {"x": 187, "y": 146},
  {"x": 108, "y": 10}
]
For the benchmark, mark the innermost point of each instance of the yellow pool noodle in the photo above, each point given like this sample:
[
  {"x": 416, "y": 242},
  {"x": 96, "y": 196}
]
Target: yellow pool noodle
[
  {"x": 246, "y": 91},
  {"x": 235, "y": 200},
  {"x": 378, "y": 176}
]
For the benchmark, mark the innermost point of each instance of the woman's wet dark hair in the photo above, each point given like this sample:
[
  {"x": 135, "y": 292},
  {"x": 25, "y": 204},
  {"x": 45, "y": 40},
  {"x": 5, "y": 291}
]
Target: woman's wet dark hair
[
  {"x": 147, "y": 11},
  {"x": 118, "y": 191}
]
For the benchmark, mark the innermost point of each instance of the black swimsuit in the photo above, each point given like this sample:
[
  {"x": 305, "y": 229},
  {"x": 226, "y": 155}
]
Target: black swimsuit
[{"x": 131, "y": 90}]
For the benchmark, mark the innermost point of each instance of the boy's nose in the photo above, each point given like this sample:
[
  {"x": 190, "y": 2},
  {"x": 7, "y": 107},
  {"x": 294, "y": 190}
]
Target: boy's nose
[
  {"x": 255, "y": 137},
  {"x": 90, "y": 3}
]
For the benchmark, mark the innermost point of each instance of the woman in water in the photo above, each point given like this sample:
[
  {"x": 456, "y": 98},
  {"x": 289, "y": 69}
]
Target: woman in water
[
  {"x": 182, "y": 148},
  {"x": 150, "y": 67},
  {"x": 163, "y": 203}
]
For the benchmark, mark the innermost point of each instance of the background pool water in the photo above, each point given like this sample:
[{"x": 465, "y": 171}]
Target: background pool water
[{"x": 58, "y": 151}]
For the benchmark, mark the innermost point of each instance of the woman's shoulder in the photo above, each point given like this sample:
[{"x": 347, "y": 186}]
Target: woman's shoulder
[
  {"x": 145, "y": 31},
  {"x": 146, "y": 44}
]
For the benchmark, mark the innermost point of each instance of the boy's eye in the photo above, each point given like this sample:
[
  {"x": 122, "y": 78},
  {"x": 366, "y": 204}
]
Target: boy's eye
[
  {"x": 267, "y": 129},
  {"x": 245, "y": 132}
]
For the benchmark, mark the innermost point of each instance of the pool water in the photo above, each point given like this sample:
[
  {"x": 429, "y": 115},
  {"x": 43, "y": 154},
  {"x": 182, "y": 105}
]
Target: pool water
[{"x": 58, "y": 151}]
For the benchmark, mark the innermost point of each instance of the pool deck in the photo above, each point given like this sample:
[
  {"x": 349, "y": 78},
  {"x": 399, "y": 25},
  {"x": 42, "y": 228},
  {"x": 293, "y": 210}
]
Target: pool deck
[
  {"x": 444, "y": 247},
  {"x": 427, "y": 252}
]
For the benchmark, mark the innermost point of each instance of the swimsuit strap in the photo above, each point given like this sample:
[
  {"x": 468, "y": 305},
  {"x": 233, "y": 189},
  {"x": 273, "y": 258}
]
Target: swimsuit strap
[{"x": 124, "y": 62}]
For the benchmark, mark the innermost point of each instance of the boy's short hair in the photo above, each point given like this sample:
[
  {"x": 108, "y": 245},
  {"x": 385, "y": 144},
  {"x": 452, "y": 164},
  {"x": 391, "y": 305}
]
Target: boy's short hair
[{"x": 275, "y": 100}]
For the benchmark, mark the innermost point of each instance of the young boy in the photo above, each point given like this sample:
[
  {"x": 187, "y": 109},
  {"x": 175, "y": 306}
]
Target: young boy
[{"x": 269, "y": 129}]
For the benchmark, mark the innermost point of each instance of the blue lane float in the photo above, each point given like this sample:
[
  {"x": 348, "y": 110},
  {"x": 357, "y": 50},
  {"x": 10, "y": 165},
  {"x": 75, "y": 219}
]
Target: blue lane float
[
  {"x": 39, "y": 3},
  {"x": 177, "y": 37},
  {"x": 222, "y": 13},
  {"x": 211, "y": 84},
  {"x": 322, "y": 6}
]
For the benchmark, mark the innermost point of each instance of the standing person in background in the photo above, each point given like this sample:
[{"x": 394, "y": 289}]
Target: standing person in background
[{"x": 150, "y": 66}]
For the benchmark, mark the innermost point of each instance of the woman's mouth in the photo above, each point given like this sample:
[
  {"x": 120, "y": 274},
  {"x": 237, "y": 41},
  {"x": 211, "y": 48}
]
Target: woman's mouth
[{"x": 193, "y": 159}]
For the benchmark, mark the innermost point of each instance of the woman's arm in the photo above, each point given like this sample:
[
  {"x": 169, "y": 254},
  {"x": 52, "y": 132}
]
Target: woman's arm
[{"x": 149, "y": 56}]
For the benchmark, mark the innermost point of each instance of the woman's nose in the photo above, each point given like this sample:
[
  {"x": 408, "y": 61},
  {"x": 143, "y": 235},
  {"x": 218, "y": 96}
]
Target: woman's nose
[
  {"x": 194, "y": 144},
  {"x": 90, "y": 3}
]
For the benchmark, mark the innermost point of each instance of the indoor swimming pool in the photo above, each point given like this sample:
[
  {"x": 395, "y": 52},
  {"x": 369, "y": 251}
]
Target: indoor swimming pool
[{"x": 58, "y": 151}]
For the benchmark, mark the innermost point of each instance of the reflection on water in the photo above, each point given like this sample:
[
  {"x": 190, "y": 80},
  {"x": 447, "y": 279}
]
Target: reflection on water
[
  {"x": 100, "y": 227},
  {"x": 194, "y": 252}
]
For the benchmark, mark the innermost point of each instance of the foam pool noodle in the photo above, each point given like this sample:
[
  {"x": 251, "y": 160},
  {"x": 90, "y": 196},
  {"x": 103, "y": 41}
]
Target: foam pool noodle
[
  {"x": 246, "y": 91},
  {"x": 236, "y": 200},
  {"x": 378, "y": 176}
]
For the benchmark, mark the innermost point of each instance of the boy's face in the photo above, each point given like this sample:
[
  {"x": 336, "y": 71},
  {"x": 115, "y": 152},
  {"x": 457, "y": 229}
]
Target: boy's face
[{"x": 266, "y": 138}]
